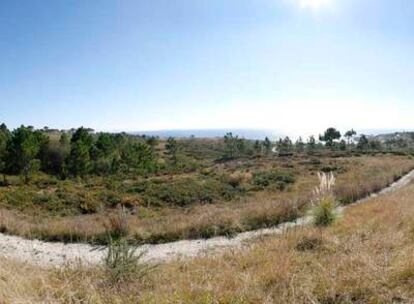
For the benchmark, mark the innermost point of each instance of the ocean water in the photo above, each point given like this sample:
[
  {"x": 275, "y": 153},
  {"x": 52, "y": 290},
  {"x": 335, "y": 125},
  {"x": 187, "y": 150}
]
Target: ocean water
[{"x": 211, "y": 133}]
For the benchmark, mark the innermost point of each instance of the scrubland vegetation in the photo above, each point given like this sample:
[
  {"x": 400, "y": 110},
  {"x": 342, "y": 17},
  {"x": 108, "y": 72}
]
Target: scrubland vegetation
[
  {"x": 70, "y": 186},
  {"x": 365, "y": 256},
  {"x": 123, "y": 190}
]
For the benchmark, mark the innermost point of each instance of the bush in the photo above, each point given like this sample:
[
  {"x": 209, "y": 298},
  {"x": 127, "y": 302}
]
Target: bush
[
  {"x": 109, "y": 197},
  {"x": 118, "y": 226},
  {"x": 187, "y": 191},
  {"x": 103, "y": 166},
  {"x": 278, "y": 180},
  {"x": 89, "y": 204},
  {"x": 308, "y": 243},
  {"x": 237, "y": 179},
  {"x": 123, "y": 264},
  {"x": 328, "y": 169},
  {"x": 324, "y": 213},
  {"x": 43, "y": 198}
]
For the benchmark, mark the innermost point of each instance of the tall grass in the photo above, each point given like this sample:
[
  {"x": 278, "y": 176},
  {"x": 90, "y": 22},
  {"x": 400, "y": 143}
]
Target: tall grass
[
  {"x": 324, "y": 203},
  {"x": 118, "y": 225}
]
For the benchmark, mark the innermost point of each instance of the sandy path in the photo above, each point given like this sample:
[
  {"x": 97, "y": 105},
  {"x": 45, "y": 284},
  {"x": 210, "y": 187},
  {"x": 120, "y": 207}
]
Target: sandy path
[{"x": 58, "y": 254}]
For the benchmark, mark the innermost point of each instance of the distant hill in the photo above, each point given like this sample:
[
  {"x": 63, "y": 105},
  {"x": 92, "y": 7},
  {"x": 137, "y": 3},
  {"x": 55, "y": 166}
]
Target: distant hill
[
  {"x": 211, "y": 133},
  {"x": 406, "y": 136}
]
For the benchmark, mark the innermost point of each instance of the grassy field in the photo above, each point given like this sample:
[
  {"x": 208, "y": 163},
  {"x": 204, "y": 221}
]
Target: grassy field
[
  {"x": 216, "y": 199},
  {"x": 364, "y": 257}
]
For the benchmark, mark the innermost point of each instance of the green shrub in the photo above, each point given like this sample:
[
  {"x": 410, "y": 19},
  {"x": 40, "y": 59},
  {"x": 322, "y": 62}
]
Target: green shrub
[
  {"x": 187, "y": 191},
  {"x": 123, "y": 264},
  {"x": 90, "y": 205},
  {"x": 328, "y": 168},
  {"x": 274, "y": 179},
  {"x": 139, "y": 187},
  {"x": 43, "y": 198},
  {"x": 110, "y": 198},
  {"x": 43, "y": 181},
  {"x": 323, "y": 213},
  {"x": 17, "y": 197}
]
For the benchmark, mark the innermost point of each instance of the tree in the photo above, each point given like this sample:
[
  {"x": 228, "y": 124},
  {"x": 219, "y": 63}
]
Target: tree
[
  {"x": 349, "y": 135},
  {"x": 342, "y": 145},
  {"x": 329, "y": 136},
  {"x": 375, "y": 144},
  {"x": 311, "y": 145},
  {"x": 363, "y": 142},
  {"x": 64, "y": 139},
  {"x": 267, "y": 145},
  {"x": 257, "y": 147},
  {"x": 400, "y": 143},
  {"x": 105, "y": 153},
  {"x": 172, "y": 148},
  {"x": 79, "y": 160},
  {"x": 53, "y": 156},
  {"x": 4, "y": 138},
  {"x": 234, "y": 146},
  {"x": 23, "y": 151},
  {"x": 139, "y": 156},
  {"x": 152, "y": 141},
  {"x": 284, "y": 145},
  {"x": 105, "y": 145},
  {"x": 299, "y": 145}
]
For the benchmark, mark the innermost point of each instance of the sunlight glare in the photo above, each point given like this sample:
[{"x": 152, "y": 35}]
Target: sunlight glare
[{"x": 314, "y": 4}]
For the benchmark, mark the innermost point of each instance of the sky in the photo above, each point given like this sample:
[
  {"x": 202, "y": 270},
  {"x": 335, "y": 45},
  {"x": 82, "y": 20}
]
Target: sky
[{"x": 296, "y": 66}]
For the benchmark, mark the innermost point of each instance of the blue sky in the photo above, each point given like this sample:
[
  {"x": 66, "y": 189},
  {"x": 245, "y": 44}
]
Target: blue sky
[{"x": 297, "y": 66}]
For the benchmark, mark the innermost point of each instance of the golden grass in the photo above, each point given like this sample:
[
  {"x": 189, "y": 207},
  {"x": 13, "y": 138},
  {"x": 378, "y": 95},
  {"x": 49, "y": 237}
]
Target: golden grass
[{"x": 365, "y": 257}]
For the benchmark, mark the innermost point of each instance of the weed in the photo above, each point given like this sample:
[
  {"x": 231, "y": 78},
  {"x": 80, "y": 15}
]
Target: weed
[{"x": 118, "y": 226}]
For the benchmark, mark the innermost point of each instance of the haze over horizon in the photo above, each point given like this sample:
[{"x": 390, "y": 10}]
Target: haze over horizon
[{"x": 293, "y": 66}]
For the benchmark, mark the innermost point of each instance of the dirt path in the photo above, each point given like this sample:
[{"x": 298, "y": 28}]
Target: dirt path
[{"x": 59, "y": 254}]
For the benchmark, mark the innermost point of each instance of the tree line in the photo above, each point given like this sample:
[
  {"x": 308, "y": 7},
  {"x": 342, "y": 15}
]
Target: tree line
[
  {"x": 26, "y": 150},
  {"x": 331, "y": 139},
  {"x": 80, "y": 152}
]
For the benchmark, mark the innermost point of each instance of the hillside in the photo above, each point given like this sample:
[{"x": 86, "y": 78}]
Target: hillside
[
  {"x": 365, "y": 257},
  {"x": 396, "y": 136},
  {"x": 105, "y": 207}
]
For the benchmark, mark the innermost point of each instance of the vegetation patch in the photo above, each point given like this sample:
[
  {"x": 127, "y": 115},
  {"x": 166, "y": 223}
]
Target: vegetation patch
[
  {"x": 306, "y": 243},
  {"x": 184, "y": 192},
  {"x": 273, "y": 179},
  {"x": 69, "y": 185}
]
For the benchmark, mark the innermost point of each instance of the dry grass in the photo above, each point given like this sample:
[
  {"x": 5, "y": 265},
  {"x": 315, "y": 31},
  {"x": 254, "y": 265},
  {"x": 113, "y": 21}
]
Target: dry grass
[
  {"x": 359, "y": 177},
  {"x": 364, "y": 257}
]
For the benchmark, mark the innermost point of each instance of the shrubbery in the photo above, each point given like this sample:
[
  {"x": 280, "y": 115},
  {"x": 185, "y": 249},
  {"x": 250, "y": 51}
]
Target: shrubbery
[
  {"x": 184, "y": 192},
  {"x": 324, "y": 212},
  {"x": 324, "y": 206},
  {"x": 123, "y": 264},
  {"x": 273, "y": 179}
]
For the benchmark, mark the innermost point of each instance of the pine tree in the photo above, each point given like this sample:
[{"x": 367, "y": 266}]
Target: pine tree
[
  {"x": 329, "y": 136},
  {"x": 4, "y": 138},
  {"x": 267, "y": 146},
  {"x": 23, "y": 151},
  {"x": 257, "y": 147},
  {"x": 79, "y": 161},
  {"x": 172, "y": 148}
]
